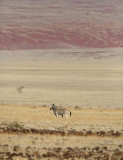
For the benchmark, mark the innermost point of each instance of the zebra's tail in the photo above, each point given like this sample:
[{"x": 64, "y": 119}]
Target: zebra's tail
[{"x": 70, "y": 113}]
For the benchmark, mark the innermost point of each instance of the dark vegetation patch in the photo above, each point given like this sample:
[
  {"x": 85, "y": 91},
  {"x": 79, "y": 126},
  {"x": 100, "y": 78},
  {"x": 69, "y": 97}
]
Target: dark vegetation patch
[
  {"x": 31, "y": 153},
  {"x": 16, "y": 127}
]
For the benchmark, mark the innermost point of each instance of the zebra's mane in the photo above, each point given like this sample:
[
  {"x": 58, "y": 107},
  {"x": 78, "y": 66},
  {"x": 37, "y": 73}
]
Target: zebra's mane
[{"x": 55, "y": 107}]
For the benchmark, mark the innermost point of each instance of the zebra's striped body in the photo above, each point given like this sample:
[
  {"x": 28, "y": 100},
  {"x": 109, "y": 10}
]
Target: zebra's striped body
[{"x": 60, "y": 111}]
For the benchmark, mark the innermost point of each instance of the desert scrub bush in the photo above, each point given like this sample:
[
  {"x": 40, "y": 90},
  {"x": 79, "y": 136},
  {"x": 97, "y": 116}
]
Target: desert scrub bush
[
  {"x": 15, "y": 124},
  {"x": 20, "y": 89}
]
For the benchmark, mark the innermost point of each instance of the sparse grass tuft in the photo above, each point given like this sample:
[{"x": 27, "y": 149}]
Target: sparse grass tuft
[
  {"x": 77, "y": 108},
  {"x": 15, "y": 124},
  {"x": 20, "y": 88}
]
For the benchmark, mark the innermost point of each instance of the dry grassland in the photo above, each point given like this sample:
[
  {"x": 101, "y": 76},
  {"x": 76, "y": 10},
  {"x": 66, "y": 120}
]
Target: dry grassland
[
  {"x": 86, "y": 81},
  {"x": 42, "y": 135}
]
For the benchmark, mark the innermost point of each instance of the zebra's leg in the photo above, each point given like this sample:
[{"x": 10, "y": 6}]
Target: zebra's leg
[
  {"x": 55, "y": 114},
  {"x": 66, "y": 116}
]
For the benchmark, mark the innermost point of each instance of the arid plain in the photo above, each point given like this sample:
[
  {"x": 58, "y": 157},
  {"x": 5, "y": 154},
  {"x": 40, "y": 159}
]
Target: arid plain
[
  {"x": 90, "y": 78},
  {"x": 89, "y": 82},
  {"x": 68, "y": 53}
]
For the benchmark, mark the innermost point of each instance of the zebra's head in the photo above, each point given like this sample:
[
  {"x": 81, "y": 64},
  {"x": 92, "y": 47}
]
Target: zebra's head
[{"x": 53, "y": 106}]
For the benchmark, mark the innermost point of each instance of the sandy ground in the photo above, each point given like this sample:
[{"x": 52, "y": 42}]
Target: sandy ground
[
  {"x": 89, "y": 82},
  {"x": 91, "y": 78},
  {"x": 41, "y": 118}
]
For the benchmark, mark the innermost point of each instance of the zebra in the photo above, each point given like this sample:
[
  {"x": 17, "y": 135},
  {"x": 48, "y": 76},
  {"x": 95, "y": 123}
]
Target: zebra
[{"x": 60, "y": 111}]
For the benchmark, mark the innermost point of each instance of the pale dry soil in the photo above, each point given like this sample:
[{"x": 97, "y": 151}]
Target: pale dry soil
[{"x": 88, "y": 78}]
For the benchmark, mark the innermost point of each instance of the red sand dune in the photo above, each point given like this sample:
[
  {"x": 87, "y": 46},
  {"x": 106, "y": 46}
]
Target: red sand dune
[{"x": 60, "y": 24}]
